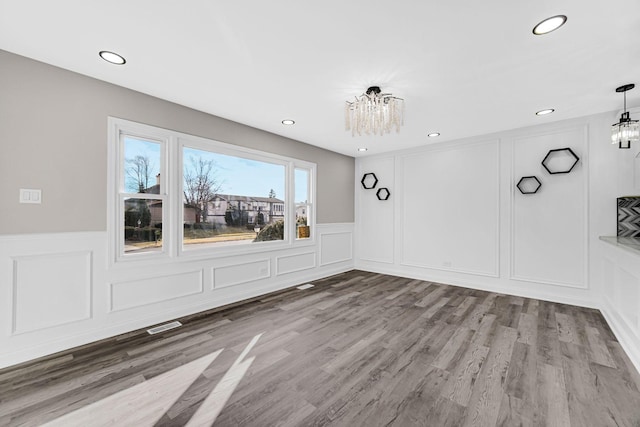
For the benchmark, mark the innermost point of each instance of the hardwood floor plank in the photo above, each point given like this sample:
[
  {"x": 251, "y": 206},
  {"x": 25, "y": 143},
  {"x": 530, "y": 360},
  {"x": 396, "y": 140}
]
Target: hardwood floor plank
[
  {"x": 466, "y": 305},
  {"x": 528, "y": 329},
  {"x": 586, "y": 405},
  {"x": 435, "y": 308},
  {"x": 345, "y": 357},
  {"x": 598, "y": 349},
  {"x": 625, "y": 366},
  {"x": 436, "y": 293},
  {"x": 515, "y": 412},
  {"x": 566, "y": 329},
  {"x": 548, "y": 343},
  {"x": 486, "y": 398},
  {"x": 521, "y": 379},
  {"x": 454, "y": 346},
  {"x": 337, "y": 300},
  {"x": 458, "y": 388},
  {"x": 531, "y": 306},
  {"x": 307, "y": 300},
  {"x": 552, "y": 405}
]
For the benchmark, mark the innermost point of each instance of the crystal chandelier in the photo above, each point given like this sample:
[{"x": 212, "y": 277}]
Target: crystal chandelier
[
  {"x": 626, "y": 130},
  {"x": 374, "y": 113}
]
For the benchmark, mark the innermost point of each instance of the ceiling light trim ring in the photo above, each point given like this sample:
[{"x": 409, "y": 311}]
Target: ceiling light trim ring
[
  {"x": 115, "y": 58},
  {"x": 539, "y": 29}
]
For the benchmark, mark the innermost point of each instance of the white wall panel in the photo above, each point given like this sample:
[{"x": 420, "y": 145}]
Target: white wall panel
[
  {"x": 336, "y": 247},
  {"x": 376, "y": 217},
  {"x": 627, "y": 296},
  {"x": 450, "y": 208},
  {"x": 621, "y": 302},
  {"x": 608, "y": 274},
  {"x": 51, "y": 289},
  {"x": 549, "y": 228},
  {"x": 231, "y": 275},
  {"x": 135, "y": 293},
  {"x": 293, "y": 263}
]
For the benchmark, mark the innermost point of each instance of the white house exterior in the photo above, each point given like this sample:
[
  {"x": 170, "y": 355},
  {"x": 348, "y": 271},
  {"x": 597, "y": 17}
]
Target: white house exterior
[{"x": 271, "y": 208}]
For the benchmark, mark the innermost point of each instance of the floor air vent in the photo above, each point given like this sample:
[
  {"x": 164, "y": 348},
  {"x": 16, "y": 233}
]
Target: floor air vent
[
  {"x": 307, "y": 286},
  {"x": 164, "y": 327}
]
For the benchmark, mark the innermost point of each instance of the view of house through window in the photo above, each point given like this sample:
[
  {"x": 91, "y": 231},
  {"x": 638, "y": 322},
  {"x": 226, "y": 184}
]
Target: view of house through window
[
  {"x": 231, "y": 200},
  {"x": 141, "y": 196},
  {"x": 303, "y": 203}
]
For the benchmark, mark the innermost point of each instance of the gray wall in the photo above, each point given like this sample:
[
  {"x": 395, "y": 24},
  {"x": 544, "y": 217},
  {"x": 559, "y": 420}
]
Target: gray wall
[{"x": 53, "y": 131}]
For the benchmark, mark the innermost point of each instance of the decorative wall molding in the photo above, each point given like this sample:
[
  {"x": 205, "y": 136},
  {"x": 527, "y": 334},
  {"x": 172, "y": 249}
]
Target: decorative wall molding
[
  {"x": 293, "y": 263},
  {"x": 406, "y": 202},
  {"x": 453, "y": 270},
  {"x": 237, "y": 274},
  {"x": 542, "y": 141},
  {"x": 146, "y": 291},
  {"x": 370, "y": 242},
  {"x": 336, "y": 247},
  {"x": 38, "y": 302}
]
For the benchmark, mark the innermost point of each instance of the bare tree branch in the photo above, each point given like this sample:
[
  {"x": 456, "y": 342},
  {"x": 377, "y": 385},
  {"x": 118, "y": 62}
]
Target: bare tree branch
[
  {"x": 139, "y": 170},
  {"x": 200, "y": 185}
]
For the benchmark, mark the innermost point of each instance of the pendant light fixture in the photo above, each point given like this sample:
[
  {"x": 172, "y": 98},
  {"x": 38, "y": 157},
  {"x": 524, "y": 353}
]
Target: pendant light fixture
[
  {"x": 374, "y": 113},
  {"x": 626, "y": 130}
]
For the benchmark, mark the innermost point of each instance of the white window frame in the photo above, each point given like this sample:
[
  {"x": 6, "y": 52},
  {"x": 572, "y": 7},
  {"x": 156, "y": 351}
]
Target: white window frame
[
  {"x": 171, "y": 184},
  {"x": 311, "y": 212},
  {"x": 118, "y": 130}
]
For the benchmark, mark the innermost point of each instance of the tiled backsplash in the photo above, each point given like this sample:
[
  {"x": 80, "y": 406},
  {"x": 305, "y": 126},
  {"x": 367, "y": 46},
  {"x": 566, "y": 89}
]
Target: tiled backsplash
[{"x": 629, "y": 216}]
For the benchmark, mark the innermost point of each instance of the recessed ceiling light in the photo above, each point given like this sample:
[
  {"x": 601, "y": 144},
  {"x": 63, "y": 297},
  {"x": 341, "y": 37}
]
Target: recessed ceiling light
[
  {"x": 362, "y": 149},
  {"x": 549, "y": 24},
  {"x": 288, "y": 122},
  {"x": 111, "y": 57},
  {"x": 543, "y": 112},
  {"x": 434, "y": 134}
]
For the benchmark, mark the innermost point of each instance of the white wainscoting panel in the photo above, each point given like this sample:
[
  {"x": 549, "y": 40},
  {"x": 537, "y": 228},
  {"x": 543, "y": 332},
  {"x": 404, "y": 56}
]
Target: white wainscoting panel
[
  {"x": 621, "y": 300},
  {"x": 336, "y": 247},
  {"x": 230, "y": 275},
  {"x": 136, "y": 293},
  {"x": 51, "y": 289},
  {"x": 292, "y": 263},
  {"x": 627, "y": 295},
  {"x": 376, "y": 217},
  {"x": 550, "y": 228},
  {"x": 450, "y": 208},
  {"x": 58, "y": 291}
]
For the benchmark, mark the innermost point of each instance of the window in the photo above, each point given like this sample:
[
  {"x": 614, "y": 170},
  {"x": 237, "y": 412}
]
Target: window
[
  {"x": 230, "y": 199},
  {"x": 175, "y": 195},
  {"x": 303, "y": 203},
  {"x": 141, "y": 197}
]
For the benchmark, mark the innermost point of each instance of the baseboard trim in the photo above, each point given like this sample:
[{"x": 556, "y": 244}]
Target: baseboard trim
[{"x": 544, "y": 296}]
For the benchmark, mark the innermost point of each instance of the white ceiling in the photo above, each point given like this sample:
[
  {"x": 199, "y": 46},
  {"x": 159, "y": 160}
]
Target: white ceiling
[{"x": 464, "y": 68}]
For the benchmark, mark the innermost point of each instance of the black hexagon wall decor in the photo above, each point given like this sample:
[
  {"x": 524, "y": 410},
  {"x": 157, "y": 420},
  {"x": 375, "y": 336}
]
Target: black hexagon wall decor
[
  {"x": 369, "y": 180},
  {"x": 560, "y": 160},
  {"x": 383, "y": 193},
  {"x": 529, "y": 185}
]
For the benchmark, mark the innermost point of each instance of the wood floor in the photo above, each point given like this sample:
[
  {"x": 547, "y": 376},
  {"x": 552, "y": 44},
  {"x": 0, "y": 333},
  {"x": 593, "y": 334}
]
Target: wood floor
[{"x": 358, "y": 349}]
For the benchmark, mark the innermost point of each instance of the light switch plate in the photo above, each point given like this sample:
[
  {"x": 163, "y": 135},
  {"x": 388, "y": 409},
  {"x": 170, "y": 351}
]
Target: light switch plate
[{"x": 30, "y": 195}]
